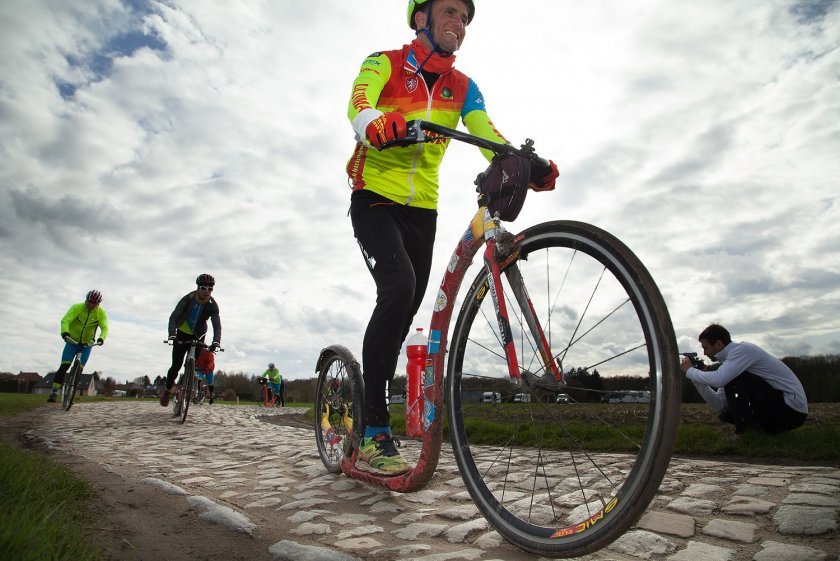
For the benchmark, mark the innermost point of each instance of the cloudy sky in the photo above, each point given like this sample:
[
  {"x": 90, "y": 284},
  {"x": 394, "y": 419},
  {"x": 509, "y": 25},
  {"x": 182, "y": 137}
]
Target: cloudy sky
[{"x": 144, "y": 142}]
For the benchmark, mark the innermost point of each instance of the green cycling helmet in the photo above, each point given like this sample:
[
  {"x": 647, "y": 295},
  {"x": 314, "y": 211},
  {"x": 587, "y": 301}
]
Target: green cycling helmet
[{"x": 415, "y": 5}]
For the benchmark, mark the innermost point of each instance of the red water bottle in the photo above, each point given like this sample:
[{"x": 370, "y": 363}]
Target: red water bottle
[{"x": 415, "y": 348}]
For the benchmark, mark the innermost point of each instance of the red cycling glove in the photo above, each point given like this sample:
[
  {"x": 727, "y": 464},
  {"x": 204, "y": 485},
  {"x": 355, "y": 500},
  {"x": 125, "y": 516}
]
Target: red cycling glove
[
  {"x": 385, "y": 128},
  {"x": 542, "y": 179}
]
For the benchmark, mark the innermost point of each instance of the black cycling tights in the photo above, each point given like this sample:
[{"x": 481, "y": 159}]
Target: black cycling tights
[{"x": 396, "y": 243}]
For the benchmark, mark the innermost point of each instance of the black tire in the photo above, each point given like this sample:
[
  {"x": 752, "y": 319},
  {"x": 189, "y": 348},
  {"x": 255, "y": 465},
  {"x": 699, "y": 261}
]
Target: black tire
[
  {"x": 186, "y": 394},
  {"x": 199, "y": 393},
  {"x": 339, "y": 396},
  {"x": 564, "y": 480},
  {"x": 178, "y": 398},
  {"x": 68, "y": 389}
]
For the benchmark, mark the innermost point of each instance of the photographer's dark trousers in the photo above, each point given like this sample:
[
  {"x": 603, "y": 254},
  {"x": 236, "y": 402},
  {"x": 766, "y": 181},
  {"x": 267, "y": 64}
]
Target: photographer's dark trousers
[
  {"x": 752, "y": 401},
  {"x": 396, "y": 242},
  {"x": 179, "y": 352}
]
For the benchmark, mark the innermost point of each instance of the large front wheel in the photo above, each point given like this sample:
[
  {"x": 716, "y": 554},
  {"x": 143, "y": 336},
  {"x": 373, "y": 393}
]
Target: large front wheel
[
  {"x": 563, "y": 471},
  {"x": 70, "y": 386},
  {"x": 187, "y": 390}
]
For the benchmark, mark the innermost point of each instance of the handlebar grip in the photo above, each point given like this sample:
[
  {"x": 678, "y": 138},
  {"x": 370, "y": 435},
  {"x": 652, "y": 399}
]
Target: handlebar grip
[
  {"x": 413, "y": 135},
  {"x": 541, "y": 163}
]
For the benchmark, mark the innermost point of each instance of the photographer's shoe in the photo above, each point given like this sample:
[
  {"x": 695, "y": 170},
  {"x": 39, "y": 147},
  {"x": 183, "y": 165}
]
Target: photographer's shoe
[{"x": 726, "y": 417}]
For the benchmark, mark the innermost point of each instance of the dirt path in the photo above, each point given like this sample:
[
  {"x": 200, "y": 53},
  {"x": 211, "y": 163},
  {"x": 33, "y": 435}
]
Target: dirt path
[{"x": 137, "y": 522}]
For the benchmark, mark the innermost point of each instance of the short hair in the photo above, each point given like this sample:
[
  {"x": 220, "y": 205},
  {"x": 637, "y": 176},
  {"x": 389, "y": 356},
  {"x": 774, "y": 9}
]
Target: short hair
[{"x": 715, "y": 332}]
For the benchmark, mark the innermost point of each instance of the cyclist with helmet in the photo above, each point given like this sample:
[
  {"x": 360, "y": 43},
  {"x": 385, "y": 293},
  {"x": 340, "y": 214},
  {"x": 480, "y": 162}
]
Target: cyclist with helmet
[
  {"x": 274, "y": 380},
  {"x": 189, "y": 320},
  {"x": 395, "y": 191},
  {"x": 80, "y": 324}
]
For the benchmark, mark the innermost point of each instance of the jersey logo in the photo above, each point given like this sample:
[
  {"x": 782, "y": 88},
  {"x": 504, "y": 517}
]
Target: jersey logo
[
  {"x": 411, "y": 83},
  {"x": 446, "y": 93}
]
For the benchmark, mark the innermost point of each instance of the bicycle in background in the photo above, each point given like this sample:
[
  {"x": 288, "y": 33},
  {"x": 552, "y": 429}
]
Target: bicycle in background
[
  {"x": 74, "y": 373},
  {"x": 266, "y": 397},
  {"x": 189, "y": 388},
  {"x": 558, "y": 297}
]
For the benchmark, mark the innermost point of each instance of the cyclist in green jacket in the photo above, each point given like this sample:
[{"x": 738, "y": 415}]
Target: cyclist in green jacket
[
  {"x": 393, "y": 206},
  {"x": 275, "y": 379},
  {"x": 80, "y": 324}
]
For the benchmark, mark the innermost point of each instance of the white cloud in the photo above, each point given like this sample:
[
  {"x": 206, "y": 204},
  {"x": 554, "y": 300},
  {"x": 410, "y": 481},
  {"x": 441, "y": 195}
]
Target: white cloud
[{"x": 703, "y": 134}]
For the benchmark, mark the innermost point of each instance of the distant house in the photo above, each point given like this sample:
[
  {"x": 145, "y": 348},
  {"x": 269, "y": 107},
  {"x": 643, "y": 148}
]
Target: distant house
[
  {"x": 18, "y": 383},
  {"x": 27, "y": 380},
  {"x": 87, "y": 385}
]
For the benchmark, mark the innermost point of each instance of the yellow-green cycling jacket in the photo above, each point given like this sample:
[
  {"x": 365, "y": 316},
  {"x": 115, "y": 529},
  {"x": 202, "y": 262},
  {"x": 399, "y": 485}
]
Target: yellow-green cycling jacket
[
  {"x": 81, "y": 323},
  {"x": 273, "y": 375},
  {"x": 390, "y": 81}
]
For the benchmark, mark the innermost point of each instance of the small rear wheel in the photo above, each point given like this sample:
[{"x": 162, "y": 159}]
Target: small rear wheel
[
  {"x": 70, "y": 385},
  {"x": 339, "y": 397}
]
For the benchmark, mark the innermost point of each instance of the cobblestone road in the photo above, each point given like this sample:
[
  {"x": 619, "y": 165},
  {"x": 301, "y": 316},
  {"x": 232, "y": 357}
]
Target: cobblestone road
[{"x": 267, "y": 479}]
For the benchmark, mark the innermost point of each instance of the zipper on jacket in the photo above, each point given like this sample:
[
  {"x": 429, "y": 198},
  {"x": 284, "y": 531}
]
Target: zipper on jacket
[{"x": 429, "y": 97}]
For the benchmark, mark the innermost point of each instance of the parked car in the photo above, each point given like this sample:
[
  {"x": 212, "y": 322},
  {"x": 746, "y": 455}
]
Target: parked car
[
  {"x": 522, "y": 398},
  {"x": 562, "y": 398},
  {"x": 491, "y": 397},
  {"x": 627, "y": 396},
  {"x": 397, "y": 398}
]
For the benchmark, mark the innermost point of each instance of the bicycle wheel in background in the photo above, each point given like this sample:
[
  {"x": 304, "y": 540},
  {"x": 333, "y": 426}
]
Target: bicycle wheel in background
[
  {"x": 189, "y": 380},
  {"x": 178, "y": 398},
  {"x": 555, "y": 478},
  {"x": 71, "y": 383},
  {"x": 339, "y": 394},
  {"x": 199, "y": 392}
]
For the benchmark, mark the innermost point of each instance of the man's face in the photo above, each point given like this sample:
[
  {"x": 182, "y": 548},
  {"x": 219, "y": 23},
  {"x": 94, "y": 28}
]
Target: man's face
[
  {"x": 91, "y": 305},
  {"x": 449, "y": 23},
  {"x": 203, "y": 294},
  {"x": 710, "y": 349}
]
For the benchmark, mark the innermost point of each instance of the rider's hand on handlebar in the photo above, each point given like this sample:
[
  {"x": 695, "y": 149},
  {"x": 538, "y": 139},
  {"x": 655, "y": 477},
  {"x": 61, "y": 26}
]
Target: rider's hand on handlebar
[
  {"x": 171, "y": 339},
  {"x": 214, "y": 347},
  {"x": 65, "y": 335},
  {"x": 543, "y": 178},
  {"x": 386, "y": 128},
  {"x": 100, "y": 341}
]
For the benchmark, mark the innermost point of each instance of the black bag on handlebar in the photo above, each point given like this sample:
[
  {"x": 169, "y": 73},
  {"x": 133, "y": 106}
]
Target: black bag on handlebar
[{"x": 504, "y": 185}]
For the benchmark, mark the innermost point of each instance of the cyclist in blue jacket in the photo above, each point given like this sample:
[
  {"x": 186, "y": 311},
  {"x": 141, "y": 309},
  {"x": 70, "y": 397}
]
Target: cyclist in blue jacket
[{"x": 189, "y": 320}]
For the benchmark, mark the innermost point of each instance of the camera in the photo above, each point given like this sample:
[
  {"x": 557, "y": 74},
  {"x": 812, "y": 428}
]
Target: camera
[{"x": 696, "y": 361}]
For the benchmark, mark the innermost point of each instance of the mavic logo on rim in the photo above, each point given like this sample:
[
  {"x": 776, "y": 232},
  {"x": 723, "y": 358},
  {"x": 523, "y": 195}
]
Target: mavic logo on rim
[{"x": 586, "y": 524}]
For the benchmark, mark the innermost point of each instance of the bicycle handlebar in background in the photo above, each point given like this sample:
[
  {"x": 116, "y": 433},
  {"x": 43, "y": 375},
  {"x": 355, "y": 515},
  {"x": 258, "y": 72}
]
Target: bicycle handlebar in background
[
  {"x": 417, "y": 129},
  {"x": 200, "y": 344},
  {"x": 70, "y": 340}
]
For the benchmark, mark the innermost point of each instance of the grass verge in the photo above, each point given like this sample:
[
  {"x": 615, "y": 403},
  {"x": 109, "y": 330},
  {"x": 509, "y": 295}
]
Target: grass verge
[
  {"x": 700, "y": 433},
  {"x": 46, "y": 509},
  {"x": 15, "y": 403}
]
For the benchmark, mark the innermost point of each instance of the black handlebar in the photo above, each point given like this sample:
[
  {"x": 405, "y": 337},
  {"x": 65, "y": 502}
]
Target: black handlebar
[
  {"x": 417, "y": 130},
  {"x": 197, "y": 342},
  {"x": 72, "y": 341}
]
